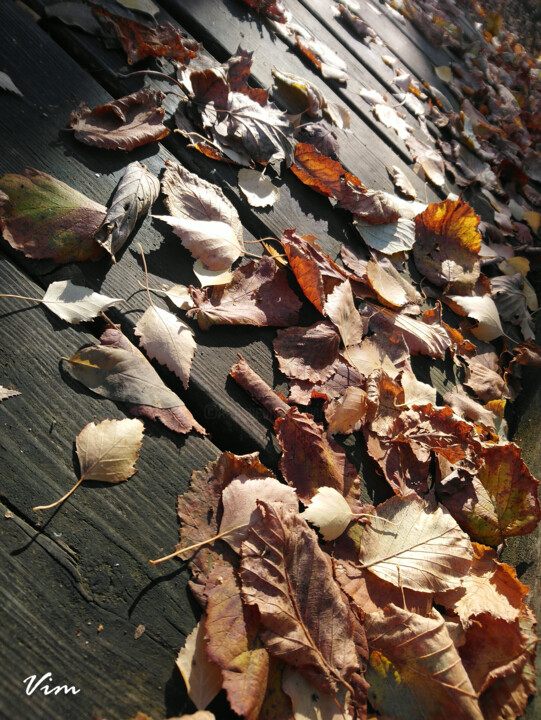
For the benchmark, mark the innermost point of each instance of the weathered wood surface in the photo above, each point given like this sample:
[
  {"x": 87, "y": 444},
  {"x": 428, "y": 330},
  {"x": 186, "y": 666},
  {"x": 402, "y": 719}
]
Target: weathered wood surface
[{"x": 66, "y": 573}]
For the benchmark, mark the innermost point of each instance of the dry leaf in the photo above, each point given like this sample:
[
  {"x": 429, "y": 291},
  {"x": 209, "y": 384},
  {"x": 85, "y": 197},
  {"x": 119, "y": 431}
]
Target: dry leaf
[
  {"x": 202, "y": 217},
  {"x": 207, "y": 278},
  {"x": 168, "y": 340},
  {"x": 303, "y": 96},
  {"x": 401, "y": 182},
  {"x": 74, "y": 303},
  {"x": 430, "y": 160},
  {"x": 311, "y": 704},
  {"x": 6, "y": 393},
  {"x": 239, "y": 501},
  {"x": 180, "y": 296},
  {"x": 330, "y": 511},
  {"x": 389, "y": 238},
  {"x": 108, "y": 451},
  {"x": 6, "y": 83},
  {"x": 202, "y": 677},
  {"x": 306, "y": 623},
  {"x": 344, "y": 416},
  {"x": 258, "y": 389},
  {"x": 324, "y": 175},
  {"x": 307, "y": 353},
  {"x": 326, "y": 60},
  {"x": 412, "y": 544},
  {"x": 257, "y": 188},
  {"x": 340, "y": 309},
  {"x": 122, "y": 124},
  {"x": 45, "y": 218},
  {"x": 391, "y": 119},
  {"x": 483, "y": 309},
  {"x": 135, "y": 194}
]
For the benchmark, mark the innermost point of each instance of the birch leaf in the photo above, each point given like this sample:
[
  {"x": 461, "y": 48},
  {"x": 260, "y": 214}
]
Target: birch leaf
[
  {"x": 389, "y": 238},
  {"x": 134, "y": 195},
  {"x": 168, "y": 340},
  {"x": 210, "y": 277},
  {"x": 413, "y": 545},
  {"x": 257, "y": 188},
  {"x": 340, "y": 308},
  {"x": 74, "y": 303},
  {"x": 484, "y": 310},
  {"x": 203, "y": 678},
  {"x": 330, "y": 511},
  {"x": 6, "y": 393},
  {"x": 107, "y": 452},
  {"x": 180, "y": 297}
]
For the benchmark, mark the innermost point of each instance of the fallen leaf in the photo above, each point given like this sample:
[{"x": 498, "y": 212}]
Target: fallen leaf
[
  {"x": 390, "y": 287},
  {"x": 273, "y": 9},
  {"x": 340, "y": 309},
  {"x": 147, "y": 7},
  {"x": 258, "y": 389},
  {"x": 231, "y": 632},
  {"x": 45, "y": 218},
  {"x": 511, "y": 301},
  {"x": 74, "y": 303},
  {"x": 311, "y": 704},
  {"x": 330, "y": 511},
  {"x": 140, "y": 41},
  {"x": 401, "y": 182},
  {"x": 482, "y": 375},
  {"x": 415, "y": 391},
  {"x": 259, "y": 295},
  {"x": 480, "y": 308},
  {"x": 6, "y": 393},
  {"x": 389, "y": 117},
  {"x": 466, "y": 407},
  {"x": 208, "y": 277},
  {"x": 6, "y": 83},
  {"x": 123, "y": 124},
  {"x": 311, "y": 460},
  {"x": 301, "y": 95},
  {"x": 345, "y": 415},
  {"x": 372, "y": 357},
  {"x": 108, "y": 451},
  {"x": 354, "y": 21},
  {"x": 135, "y": 194},
  {"x": 202, "y": 677},
  {"x": 206, "y": 222},
  {"x": 307, "y": 353},
  {"x": 239, "y": 501},
  {"x": 414, "y": 668},
  {"x": 389, "y": 238},
  {"x": 430, "y": 160},
  {"x": 326, "y": 176},
  {"x": 257, "y": 188},
  {"x": 179, "y": 296},
  {"x": 448, "y": 244},
  {"x": 412, "y": 544},
  {"x": 444, "y": 73},
  {"x": 326, "y": 60},
  {"x": 306, "y": 623},
  {"x": 501, "y": 499},
  {"x": 421, "y": 337},
  {"x": 168, "y": 340},
  {"x": 76, "y": 14}
]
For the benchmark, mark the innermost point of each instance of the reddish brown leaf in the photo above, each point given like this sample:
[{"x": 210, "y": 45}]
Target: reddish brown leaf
[
  {"x": 255, "y": 386},
  {"x": 311, "y": 460},
  {"x": 307, "y": 624},
  {"x": 308, "y": 353},
  {"x": 122, "y": 124},
  {"x": 448, "y": 244},
  {"x": 140, "y": 41},
  {"x": 238, "y": 72},
  {"x": 344, "y": 376},
  {"x": 231, "y": 630},
  {"x": 316, "y": 273},
  {"x": 483, "y": 377},
  {"x": 44, "y": 218},
  {"x": 273, "y": 9},
  {"x": 199, "y": 512},
  {"x": 259, "y": 294},
  {"x": 324, "y": 175}
]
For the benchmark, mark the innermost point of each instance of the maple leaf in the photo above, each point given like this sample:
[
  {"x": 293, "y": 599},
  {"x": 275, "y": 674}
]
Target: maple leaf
[
  {"x": 135, "y": 194},
  {"x": 311, "y": 460},
  {"x": 412, "y": 544},
  {"x": 204, "y": 219},
  {"x": 107, "y": 452},
  {"x": 414, "y": 668},
  {"x": 123, "y": 124},
  {"x": 46, "y": 218},
  {"x": 259, "y": 295},
  {"x": 501, "y": 500},
  {"x": 168, "y": 340},
  {"x": 306, "y": 623},
  {"x": 199, "y": 511},
  {"x": 231, "y": 629},
  {"x": 140, "y": 41},
  {"x": 307, "y": 353},
  {"x": 117, "y": 370},
  {"x": 448, "y": 244},
  {"x": 202, "y": 677},
  {"x": 239, "y": 500},
  {"x": 316, "y": 273}
]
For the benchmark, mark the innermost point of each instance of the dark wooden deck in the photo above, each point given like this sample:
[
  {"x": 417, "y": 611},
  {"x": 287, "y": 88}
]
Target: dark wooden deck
[{"x": 75, "y": 583}]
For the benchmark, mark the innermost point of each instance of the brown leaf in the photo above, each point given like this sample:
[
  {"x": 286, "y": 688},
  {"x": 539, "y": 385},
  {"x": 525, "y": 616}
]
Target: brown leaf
[
  {"x": 108, "y": 451},
  {"x": 316, "y": 273},
  {"x": 490, "y": 587},
  {"x": 202, "y": 677},
  {"x": 306, "y": 621},
  {"x": 344, "y": 375},
  {"x": 311, "y": 460},
  {"x": 258, "y": 389},
  {"x": 259, "y": 295},
  {"x": 483, "y": 377},
  {"x": 414, "y": 668},
  {"x": 344, "y": 416},
  {"x": 123, "y": 124},
  {"x": 430, "y": 160},
  {"x": 415, "y": 545},
  {"x": 310, "y": 704},
  {"x": 307, "y": 353},
  {"x": 45, "y": 218},
  {"x": 238, "y": 73},
  {"x": 199, "y": 511},
  {"x": 140, "y": 41},
  {"x": 340, "y": 309},
  {"x": 301, "y": 95},
  {"x": 426, "y": 338},
  {"x": 273, "y": 9},
  {"x": 390, "y": 287},
  {"x": 231, "y": 630},
  {"x": 326, "y": 176},
  {"x": 448, "y": 244},
  {"x": 501, "y": 499},
  {"x": 199, "y": 205}
]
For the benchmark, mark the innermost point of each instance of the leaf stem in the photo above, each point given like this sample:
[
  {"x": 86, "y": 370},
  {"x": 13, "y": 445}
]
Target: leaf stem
[
  {"x": 198, "y": 545},
  {"x": 156, "y": 73},
  {"x": 64, "y": 497},
  {"x": 21, "y": 297},
  {"x": 146, "y": 274}
]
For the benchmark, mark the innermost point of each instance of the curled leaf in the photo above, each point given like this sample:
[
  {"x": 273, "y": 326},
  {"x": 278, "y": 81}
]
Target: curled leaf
[
  {"x": 74, "y": 303},
  {"x": 257, "y": 188}
]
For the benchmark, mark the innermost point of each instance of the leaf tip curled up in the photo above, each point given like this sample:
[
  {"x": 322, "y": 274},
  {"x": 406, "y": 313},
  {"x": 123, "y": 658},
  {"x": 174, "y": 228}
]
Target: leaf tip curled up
[{"x": 330, "y": 511}]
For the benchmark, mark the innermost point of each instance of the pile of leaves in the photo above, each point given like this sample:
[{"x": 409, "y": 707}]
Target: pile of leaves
[{"x": 315, "y": 603}]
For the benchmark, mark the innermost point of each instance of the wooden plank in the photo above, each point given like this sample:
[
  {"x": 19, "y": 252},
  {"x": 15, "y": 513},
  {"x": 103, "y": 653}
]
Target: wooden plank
[{"x": 85, "y": 563}]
